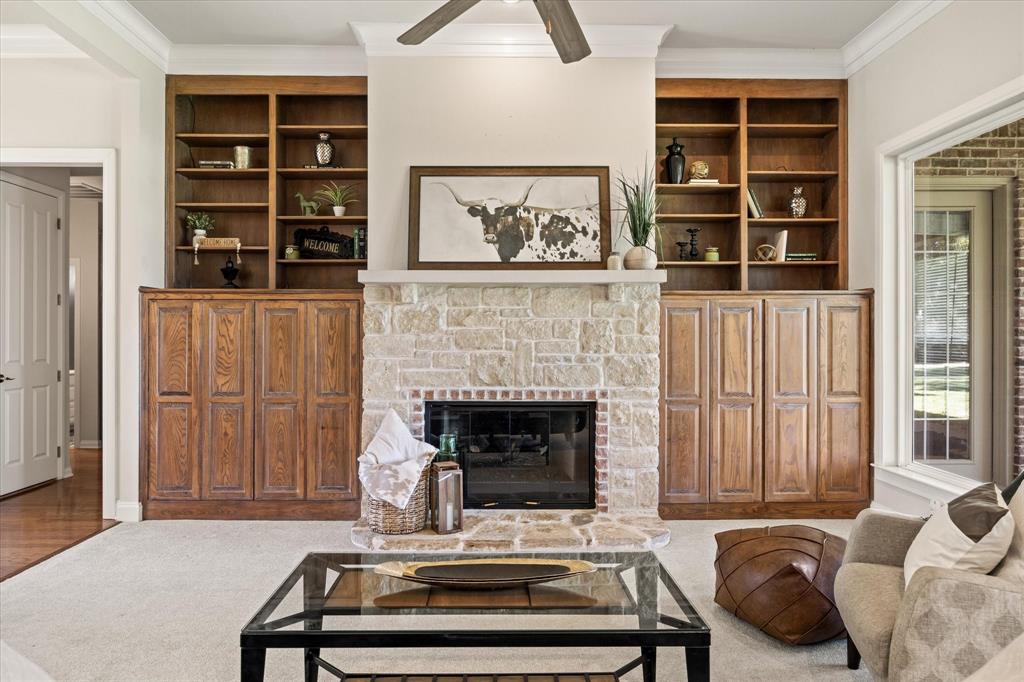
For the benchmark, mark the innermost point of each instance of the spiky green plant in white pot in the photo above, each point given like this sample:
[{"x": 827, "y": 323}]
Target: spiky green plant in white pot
[
  {"x": 639, "y": 205},
  {"x": 338, "y": 196}
]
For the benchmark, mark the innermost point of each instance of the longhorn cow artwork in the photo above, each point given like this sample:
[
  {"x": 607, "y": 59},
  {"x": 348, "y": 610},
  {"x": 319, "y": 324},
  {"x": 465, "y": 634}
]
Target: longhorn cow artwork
[{"x": 503, "y": 217}]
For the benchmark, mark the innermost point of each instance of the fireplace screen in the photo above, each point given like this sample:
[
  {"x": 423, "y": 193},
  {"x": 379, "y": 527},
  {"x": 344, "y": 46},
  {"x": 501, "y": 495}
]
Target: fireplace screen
[{"x": 520, "y": 455}]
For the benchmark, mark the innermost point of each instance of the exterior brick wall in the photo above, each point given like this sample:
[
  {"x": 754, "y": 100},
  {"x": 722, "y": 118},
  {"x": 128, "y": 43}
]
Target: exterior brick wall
[
  {"x": 998, "y": 153},
  {"x": 599, "y": 343}
]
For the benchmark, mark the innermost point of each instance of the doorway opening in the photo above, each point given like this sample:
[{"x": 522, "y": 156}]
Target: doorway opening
[
  {"x": 965, "y": 395},
  {"x": 52, "y": 464}
]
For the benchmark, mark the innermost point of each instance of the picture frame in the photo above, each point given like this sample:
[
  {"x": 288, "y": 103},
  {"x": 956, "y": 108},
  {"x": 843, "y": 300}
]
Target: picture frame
[{"x": 509, "y": 217}]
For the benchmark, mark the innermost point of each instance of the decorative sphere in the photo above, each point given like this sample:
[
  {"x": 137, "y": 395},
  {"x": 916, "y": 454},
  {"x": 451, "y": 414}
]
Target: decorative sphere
[
  {"x": 699, "y": 170},
  {"x": 765, "y": 253}
]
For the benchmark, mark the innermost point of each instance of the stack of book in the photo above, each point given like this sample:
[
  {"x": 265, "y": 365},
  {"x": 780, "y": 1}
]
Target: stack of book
[
  {"x": 801, "y": 256},
  {"x": 703, "y": 181},
  {"x": 754, "y": 205},
  {"x": 216, "y": 164}
]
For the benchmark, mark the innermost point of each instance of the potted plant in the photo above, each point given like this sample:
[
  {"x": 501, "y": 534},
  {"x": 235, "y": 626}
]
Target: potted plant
[
  {"x": 639, "y": 204},
  {"x": 200, "y": 224},
  {"x": 338, "y": 196}
]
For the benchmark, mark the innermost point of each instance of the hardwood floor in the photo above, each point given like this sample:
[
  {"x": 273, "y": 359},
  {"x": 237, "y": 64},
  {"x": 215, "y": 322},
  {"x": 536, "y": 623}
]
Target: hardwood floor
[{"x": 42, "y": 522}]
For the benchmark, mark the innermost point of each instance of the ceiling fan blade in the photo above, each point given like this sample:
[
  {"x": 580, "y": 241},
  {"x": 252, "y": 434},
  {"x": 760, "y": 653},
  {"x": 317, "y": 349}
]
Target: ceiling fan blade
[
  {"x": 438, "y": 19},
  {"x": 561, "y": 24}
]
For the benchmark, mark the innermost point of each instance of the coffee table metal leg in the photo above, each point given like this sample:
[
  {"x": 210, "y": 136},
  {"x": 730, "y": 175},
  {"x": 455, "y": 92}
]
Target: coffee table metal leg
[
  {"x": 253, "y": 663},
  {"x": 649, "y": 654},
  {"x": 313, "y": 585},
  {"x": 698, "y": 664},
  {"x": 312, "y": 669}
]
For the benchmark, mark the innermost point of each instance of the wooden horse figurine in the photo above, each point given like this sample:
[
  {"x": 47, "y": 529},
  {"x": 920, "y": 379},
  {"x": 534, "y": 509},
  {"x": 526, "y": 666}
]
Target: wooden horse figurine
[{"x": 308, "y": 207}]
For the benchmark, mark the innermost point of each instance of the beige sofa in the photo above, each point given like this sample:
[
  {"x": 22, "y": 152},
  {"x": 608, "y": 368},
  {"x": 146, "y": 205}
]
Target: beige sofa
[{"x": 946, "y": 624}]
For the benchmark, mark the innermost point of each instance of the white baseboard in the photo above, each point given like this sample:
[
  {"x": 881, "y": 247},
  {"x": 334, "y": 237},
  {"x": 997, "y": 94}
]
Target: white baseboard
[
  {"x": 89, "y": 444},
  {"x": 130, "y": 512}
]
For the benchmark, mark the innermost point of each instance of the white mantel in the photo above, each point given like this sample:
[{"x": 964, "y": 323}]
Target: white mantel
[{"x": 518, "y": 277}]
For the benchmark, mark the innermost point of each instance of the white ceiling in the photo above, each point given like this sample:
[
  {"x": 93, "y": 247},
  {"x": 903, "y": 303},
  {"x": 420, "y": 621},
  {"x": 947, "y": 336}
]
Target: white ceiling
[{"x": 698, "y": 23}]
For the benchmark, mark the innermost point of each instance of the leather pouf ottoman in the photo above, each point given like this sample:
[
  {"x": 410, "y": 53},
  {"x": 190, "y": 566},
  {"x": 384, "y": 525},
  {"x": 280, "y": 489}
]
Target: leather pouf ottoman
[{"x": 780, "y": 580}]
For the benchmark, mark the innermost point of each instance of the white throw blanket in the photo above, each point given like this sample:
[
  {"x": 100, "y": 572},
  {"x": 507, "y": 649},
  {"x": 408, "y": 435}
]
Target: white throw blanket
[{"x": 393, "y": 462}]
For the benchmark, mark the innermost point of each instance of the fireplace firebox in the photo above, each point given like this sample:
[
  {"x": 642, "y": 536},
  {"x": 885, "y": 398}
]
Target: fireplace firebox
[{"x": 520, "y": 454}]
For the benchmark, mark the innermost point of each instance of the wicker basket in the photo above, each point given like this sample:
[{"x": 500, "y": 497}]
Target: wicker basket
[{"x": 386, "y": 518}]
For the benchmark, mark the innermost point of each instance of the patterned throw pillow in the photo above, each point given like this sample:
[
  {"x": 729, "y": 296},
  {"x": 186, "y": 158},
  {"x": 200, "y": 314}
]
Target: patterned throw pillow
[
  {"x": 971, "y": 533},
  {"x": 1012, "y": 567}
]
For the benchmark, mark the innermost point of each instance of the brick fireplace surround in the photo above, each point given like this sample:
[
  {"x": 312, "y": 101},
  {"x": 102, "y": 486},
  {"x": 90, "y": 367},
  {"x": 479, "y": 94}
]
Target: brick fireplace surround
[{"x": 581, "y": 342}]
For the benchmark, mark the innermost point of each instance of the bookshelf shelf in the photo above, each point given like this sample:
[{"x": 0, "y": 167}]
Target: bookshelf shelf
[
  {"x": 280, "y": 118},
  {"x": 759, "y": 137},
  {"x": 795, "y": 222},
  {"x": 696, "y": 129},
  {"x": 687, "y": 188},
  {"x": 223, "y": 173},
  {"x": 224, "y": 139},
  {"x": 697, "y": 263},
  {"x": 322, "y": 219},
  {"x": 697, "y": 217},
  {"x": 332, "y": 262}
]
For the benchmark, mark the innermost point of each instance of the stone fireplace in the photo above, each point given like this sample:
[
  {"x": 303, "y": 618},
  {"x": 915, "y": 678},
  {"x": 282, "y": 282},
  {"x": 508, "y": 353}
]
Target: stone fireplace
[{"x": 511, "y": 342}]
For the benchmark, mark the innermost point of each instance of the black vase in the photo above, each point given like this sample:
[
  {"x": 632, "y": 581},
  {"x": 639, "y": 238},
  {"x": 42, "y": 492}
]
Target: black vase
[
  {"x": 230, "y": 272},
  {"x": 675, "y": 162}
]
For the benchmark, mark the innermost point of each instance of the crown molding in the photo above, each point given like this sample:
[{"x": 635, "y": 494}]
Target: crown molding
[
  {"x": 127, "y": 22},
  {"x": 892, "y": 26},
  {"x": 268, "y": 60},
  {"x": 35, "y": 41},
  {"x": 507, "y": 40},
  {"x": 748, "y": 63}
]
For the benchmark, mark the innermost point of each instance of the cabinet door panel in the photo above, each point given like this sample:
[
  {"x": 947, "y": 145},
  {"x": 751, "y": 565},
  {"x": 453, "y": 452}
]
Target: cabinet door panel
[
  {"x": 736, "y": 409},
  {"x": 844, "y": 402},
  {"x": 174, "y": 470},
  {"x": 791, "y": 369},
  {"x": 332, "y": 346},
  {"x": 172, "y": 442},
  {"x": 684, "y": 405},
  {"x": 280, "y": 400},
  {"x": 227, "y": 398}
]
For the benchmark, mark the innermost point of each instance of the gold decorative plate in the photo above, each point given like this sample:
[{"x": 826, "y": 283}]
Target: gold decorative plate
[{"x": 484, "y": 574}]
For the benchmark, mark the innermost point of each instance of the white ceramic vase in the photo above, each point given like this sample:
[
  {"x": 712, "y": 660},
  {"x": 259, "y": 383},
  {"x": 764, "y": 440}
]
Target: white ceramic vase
[
  {"x": 339, "y": 210},
  {"x": 640, "y": 258},
  {"x": 197, "y": 237}
]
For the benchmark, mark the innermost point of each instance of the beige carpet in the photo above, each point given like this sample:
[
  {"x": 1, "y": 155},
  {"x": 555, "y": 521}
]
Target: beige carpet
[{"x": 165, "y": 600}]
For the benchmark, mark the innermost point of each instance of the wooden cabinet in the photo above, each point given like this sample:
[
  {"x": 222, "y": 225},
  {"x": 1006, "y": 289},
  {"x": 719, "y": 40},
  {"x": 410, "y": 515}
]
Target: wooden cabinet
[
  {"x": 251, "y": 404},
  {"x": 281, "y": 404},
  {"x": 226, "y": 378},
  {"x": 736, "y": 400},
  {"x": 790, "y": 397},
  {"x": 172, "y": 429},
  {"x": 684, "y": 409},
  {"x": 332, "y": 399},
  {"x": 843, "y": 399},
  {"x": 765, "y": 405}
]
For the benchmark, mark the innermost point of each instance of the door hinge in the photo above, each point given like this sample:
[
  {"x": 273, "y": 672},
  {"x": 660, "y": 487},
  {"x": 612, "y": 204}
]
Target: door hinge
[
  {"x": 58, "y": 299},
  {"x": 58, "y": 452},
  {"x": 58, "y": 375},
  {"x": 58, "y": 223}
]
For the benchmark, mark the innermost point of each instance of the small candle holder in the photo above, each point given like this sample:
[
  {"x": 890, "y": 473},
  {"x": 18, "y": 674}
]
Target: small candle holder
[
  {"x": 445, "y": 497},
  {"x": 694, "y": 251}
]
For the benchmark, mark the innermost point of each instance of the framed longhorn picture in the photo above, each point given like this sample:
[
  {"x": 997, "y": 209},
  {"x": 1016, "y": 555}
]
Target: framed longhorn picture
[{"x": 466, "y": 217}]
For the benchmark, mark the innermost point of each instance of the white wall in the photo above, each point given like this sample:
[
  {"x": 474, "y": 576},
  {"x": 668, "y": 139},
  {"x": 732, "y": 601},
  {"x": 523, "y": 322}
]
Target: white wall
[
  {"x": 492, "y": 112},
  {"x": 84, "y": 244},
  {"x": 48, "y": 105},
  {"x": 966, "y": 50}
]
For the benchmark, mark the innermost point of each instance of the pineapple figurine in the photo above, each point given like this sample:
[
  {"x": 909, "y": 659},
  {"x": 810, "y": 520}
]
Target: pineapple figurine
[{"x": 798, "y": 203}]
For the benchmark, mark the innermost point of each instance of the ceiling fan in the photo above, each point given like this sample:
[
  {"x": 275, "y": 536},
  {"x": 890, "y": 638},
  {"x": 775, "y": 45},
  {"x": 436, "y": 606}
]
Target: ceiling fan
[{"x": 559, "y": 22}]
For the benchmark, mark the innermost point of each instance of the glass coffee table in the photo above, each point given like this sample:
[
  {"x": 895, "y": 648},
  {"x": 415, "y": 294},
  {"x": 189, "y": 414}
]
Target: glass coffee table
[{"x": 337, "y": 601}]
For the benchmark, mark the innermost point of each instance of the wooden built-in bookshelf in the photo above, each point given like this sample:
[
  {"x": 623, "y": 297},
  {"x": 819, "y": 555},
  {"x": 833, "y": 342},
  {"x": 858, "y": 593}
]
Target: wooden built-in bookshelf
[
  {"x": 280, "y": 118},
  {"x": 767, "y": 136}
]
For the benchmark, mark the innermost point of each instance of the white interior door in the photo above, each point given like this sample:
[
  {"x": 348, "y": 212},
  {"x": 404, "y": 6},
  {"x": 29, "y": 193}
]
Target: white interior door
[
  {"x": 29, "y": 283},
  {"x": 953, "y": 331}
]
